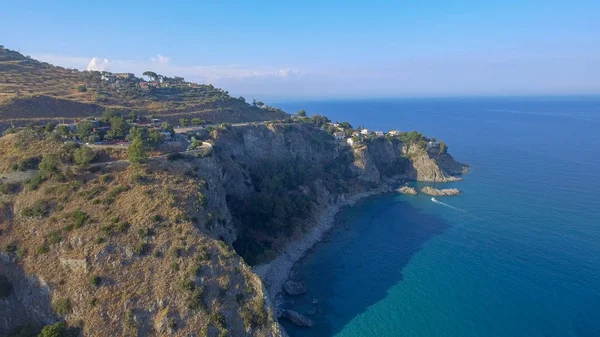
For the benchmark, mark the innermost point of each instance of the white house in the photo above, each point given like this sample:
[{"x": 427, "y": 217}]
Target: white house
[
  {"x": 350, "y": 141},
  {"x": 365, "y": 131},
  {"x": 393, "y": 133},
  {"x": 379, "y": 133},
  {"x": 339, "y": 135}
]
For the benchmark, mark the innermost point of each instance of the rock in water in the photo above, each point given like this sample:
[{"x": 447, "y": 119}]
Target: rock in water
[
  {"x": 294, "y": 288},
  {"x": 438, "y": 193},
  {"x": 407, "y": 190},
  {"x": 296, "y": 318}
]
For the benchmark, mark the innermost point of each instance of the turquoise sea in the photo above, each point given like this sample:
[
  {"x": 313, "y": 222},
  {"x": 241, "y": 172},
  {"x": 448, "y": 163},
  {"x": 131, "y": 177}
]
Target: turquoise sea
[{"x": 518, "y": 254}]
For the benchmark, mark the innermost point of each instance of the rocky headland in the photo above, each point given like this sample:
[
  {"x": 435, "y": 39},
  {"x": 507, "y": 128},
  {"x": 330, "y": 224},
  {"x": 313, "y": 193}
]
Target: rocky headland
[{"x": 266, "y": 192}]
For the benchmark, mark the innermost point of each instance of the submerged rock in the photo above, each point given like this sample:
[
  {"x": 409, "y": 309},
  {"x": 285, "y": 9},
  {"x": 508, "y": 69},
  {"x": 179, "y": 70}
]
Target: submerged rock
[
  {"x": 407, "y": 190},
  {"x": 294, "y": 288},
  {"x": 296, "y": 318},
  {"x": 437, "y": 192}
]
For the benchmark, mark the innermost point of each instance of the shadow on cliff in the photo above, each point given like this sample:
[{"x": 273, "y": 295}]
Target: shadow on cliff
[{"x": 364, "y": 257}]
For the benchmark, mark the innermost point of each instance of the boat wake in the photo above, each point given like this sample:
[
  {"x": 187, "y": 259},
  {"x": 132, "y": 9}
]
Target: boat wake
[{"x": 449, "y": 206}]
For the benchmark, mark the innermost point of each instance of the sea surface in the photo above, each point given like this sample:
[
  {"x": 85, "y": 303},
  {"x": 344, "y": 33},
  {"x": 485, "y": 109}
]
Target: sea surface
[{"x": 518, "y": 254}]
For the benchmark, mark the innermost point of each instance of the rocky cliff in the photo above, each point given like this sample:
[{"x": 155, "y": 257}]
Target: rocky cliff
[{"x": 153, "y": 250}]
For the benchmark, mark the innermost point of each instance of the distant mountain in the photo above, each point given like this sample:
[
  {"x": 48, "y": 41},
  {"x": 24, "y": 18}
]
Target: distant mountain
[{"x": 34, "y": 91}]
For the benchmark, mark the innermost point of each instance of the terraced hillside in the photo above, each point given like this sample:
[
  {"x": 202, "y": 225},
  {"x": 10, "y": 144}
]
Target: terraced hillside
[{"x": 33, "y": 91}]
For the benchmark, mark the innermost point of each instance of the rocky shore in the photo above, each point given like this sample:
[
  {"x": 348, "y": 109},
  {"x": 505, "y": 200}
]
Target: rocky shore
[
  {"x": 275, "y": 273},
  {"x": 440, "y": 192}
]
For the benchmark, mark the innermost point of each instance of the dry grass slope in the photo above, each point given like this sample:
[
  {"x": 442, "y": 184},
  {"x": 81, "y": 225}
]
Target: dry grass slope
[{"x": 121, "y": 255}]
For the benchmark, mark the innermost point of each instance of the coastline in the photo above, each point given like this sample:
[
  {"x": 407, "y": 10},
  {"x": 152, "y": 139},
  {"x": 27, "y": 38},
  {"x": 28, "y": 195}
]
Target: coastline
[{"x": 275, "y": 273}]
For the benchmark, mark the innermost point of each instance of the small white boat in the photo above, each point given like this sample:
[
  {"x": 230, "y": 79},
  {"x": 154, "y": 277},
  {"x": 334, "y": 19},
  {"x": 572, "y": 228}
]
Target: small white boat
[{"x": 434, "y": 199}]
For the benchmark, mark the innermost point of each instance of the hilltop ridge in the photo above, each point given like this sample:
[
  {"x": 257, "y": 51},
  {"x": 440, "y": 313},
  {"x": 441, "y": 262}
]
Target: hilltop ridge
[{"x": 34, "y": 91}]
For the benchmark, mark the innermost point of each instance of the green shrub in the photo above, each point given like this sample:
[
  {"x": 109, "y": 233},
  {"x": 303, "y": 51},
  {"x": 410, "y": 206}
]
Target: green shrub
[
  {"x": 79, "y": 218},
  {"x": 196, "y": 299},
  {"x": 54, "y": 237},
  {"x": 218, "y": 320},
  {"x": 35, "y": 182},
  {"x": 81, "y": 88},
  {"x": 43, "y": 248},
  {"x": 83, "y": 156},
  {"x": 62, "y": 306},
  {"x": 187, "y": 284},
  {"x": 156, "y": 218},
  {"x": 140, "y": 248},
  {"x": 40, "y": 208},
  {"x": 95, "y": 280},
  {"x": 5, "y": 287},
  {"x": 105, "y": 178},
  {"x": 26, "y": 164},
  {"x": 174, "y": 266},
  {"x": 54, "y": 330}
]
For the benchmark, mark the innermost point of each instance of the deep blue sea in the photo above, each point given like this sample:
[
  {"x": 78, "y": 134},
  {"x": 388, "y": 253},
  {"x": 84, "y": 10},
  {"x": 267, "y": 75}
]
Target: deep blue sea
[{"x": 518, "y": 254}]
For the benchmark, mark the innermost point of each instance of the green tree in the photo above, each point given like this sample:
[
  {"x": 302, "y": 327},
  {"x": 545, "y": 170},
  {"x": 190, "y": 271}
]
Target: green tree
[
  {"x": 54, "y": 330},
  {"x": 197, "y": 121},
  {"x": 168, "y": 127},
  {"x": 260, "y": 104},
  {"x": 319, "y": 120},
  {"x": 49, "y": 165},
  {"x": 301, "y": 113},
  {"x": 63, "y": 130},
  {"x": 345, "y": 125},
  {"x": 81, "y": 88},
  {"x": 136, "y": 150},
  {"x": 184, "y": 122},
  {"x": 133, "y": 116},
  {"x": 155, "y": 138},
  {"x": 84, "y": 156},
  {"x": 49, "y": 127},
  {"x": 84, "y": 129},
  {"x": 443, "y": 147},
  {"x": 154, "y": 76},
  {"x": 118, "y": 128}
]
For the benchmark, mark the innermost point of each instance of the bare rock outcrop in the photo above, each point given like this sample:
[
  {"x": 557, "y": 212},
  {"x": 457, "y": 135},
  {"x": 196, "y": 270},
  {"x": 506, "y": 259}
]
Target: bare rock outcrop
[
  {"x": 407, "y": 190},
  {"x": 294, "y": 288},
  {"x": 297, "y": 318},
  {"x": 440, "y": 192}
]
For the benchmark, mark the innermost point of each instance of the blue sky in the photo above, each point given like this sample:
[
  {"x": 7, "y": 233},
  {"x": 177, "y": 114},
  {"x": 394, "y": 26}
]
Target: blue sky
[{"x": 319, "y": 49}]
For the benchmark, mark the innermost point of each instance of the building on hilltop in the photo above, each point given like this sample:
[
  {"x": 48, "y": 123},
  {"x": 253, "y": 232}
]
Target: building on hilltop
[
  {"x": 365, "y": 131},
  {"x": 339, "y": 135}
]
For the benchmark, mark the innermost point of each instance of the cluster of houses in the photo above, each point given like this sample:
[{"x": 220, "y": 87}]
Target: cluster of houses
[
  {"x": 126, "y": 79},
  {"x": 340, "y": 134}
]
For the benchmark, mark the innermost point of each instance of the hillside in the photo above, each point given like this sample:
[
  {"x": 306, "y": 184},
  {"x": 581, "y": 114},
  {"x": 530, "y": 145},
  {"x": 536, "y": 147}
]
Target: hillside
[
  {"x": 33, "y": 91},
  {"x": 165, "y": 247}
]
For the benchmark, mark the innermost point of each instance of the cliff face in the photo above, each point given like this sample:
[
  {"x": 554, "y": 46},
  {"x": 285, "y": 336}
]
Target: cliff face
[
  {"x": 159, "y": 238},
  {"x": 432, "y": 166}
]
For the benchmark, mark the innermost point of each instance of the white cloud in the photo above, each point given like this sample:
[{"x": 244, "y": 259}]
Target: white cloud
[
  {"x": 159, "y": 59},
  {"x": 162, "y": 64},
  {"x": 98, "y": 64}
]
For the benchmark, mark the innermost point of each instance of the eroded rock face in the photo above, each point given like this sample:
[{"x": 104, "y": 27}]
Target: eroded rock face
[
  {"x": 439, "y": 193},
  {"x": 28, "y": 300},
  {"x": 294, "y": 288},
  {"x": 407, "y": 190},
  {"x": 297, "y": 318}
]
